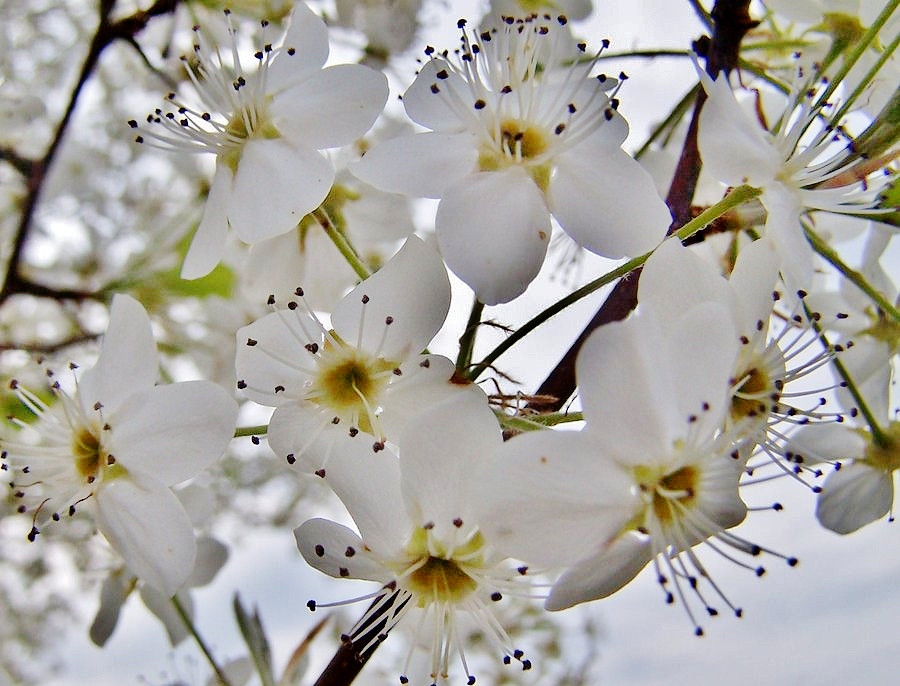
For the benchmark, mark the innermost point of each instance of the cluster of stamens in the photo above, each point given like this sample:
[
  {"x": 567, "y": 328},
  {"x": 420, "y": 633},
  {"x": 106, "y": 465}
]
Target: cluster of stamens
[{"x": 67, "y": 462}]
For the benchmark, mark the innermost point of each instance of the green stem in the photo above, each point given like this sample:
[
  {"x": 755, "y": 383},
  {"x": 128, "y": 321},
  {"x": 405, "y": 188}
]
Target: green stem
[
  {"x": 244, "y": 431},
  {"x": 864, "y": 82},
  {"x": 467, "y": 340},
  {"x": 856, "y": 52},
  {"x": 736, "y": 197},
  {"x": 853, "y": 276},
  {"x": 179, "y": 608},
  {"x": 879, "y": 435},
  {"x": 343, "y": 245},
  {"x": 538, "y": 421}
]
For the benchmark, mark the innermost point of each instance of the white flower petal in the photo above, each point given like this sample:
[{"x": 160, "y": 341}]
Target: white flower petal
[
  {"x": 702, "y": 350},
  {"x": 826, "y": 442},
  {"x": 211, "y": 557},
  {"x": 440, "y": 450},
  {"x": 335, "y": 550},
  {"x": 785, "y": 232},
  {"x": 303, "y": 435},
  {"x": 173, "y": 432},
  {"x": 308, "y": 36},
  {"x": 550, "y": 497},
  {"x": 416, "y": 314},
  {"x": 422, "y": 165},
  {"x": 368, "y": 483},
  {"x": 626, "y": 388},
  {"x": 128, "y": 361},
  {"x": 674, "y": 279},
  {"x": 601, "y": 575},
  {"x": 146, "y": 524},
  {"x": 609, "y": 206},
  {"x": 752, "y": 281},
  {"x": 161, "y": 606},
  {"x": 208, "y": 244},
  {"x": 425, "y": 381},
  {"x": 113, "y": 593},
  {"x": 431, "y": 109},
  {"x": 493, "y": 230},
  {"x": 854, "y": 496},
  {"x": 271, "y": 353},
  {"x": 277, "y": 183},
  {"x": 734, "y": 148},
  {"x": 333, "y": 107}
]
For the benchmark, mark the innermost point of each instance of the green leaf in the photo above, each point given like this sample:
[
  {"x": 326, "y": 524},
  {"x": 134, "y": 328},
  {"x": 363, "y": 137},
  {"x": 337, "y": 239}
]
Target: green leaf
[{"x": 255, "y": 638}]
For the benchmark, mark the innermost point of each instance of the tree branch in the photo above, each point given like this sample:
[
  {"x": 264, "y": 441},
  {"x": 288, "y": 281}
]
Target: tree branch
[
  {"x": 35, "y": 171},
  {"x": 731, "y": 22}
]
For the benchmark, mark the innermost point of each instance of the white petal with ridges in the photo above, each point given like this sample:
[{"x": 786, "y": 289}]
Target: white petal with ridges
[
  {"x": 734, "y": 148},
  {"x": 334, "y": 107},
  {"x": 854, "y": 496},
  {"x": 609, "y": 206},
  {"x": 277, "y": 183},
  {"x": 173, "y": 432},
  {"x": 412, "y": 289},
  {"x": 421, "y": 165},
  {"x": 601, "y": 575},
  {"x": 128, "y": 361},
  {"x": 674, "y": 279},
  {"x": 752, "y": 281},
  {"x": 440, "y": 451},
  {"x": 368, "y": 483},
  {"x": 627, "y": 389},
  {"x": 493, "y": 230},
  {"x": 208, "y": 244},
  {"x": 146, "y": 524},
  {"x": 551, "y": 498}
]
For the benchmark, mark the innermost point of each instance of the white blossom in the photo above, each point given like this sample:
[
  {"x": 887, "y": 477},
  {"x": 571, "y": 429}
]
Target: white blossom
[
  {"x": 419, "y": 519},
  {"x": 266, "y": 128},
  {"x": 519, "y": 130},
  {"x": 116, "y": 447}
]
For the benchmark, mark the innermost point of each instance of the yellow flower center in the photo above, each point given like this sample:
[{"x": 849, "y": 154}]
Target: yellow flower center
[
  {"x": 441, "y": 578},
  {"x": 518, "y": 143},
  {"x": 663, "y": 491},
  {"x": 89, "y": 454},
  {"x": 351, "y": 381},
  {"x": 753, "y": 397}
]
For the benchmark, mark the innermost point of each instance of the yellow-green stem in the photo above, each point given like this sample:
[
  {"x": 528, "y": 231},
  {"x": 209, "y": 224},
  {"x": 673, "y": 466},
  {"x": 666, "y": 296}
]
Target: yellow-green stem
[
  {"x": 244, "y": 431},
  {"x": 879, "y": 435},
  {"x": 856, "y": 52},
  {"x": 343, "y": 245},
  {"x": 192, "y": 630}
]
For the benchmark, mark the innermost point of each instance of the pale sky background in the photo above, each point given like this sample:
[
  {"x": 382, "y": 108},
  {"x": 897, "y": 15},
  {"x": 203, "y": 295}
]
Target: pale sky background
[{"x": 831, "y": 620}]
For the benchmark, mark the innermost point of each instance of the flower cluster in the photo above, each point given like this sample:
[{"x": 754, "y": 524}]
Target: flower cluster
[{"x": 751, "y": 338}]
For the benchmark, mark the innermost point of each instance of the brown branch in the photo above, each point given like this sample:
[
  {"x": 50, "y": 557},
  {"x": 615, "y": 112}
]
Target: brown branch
[
  {"x": 731, "y": 22},
  {"x": 35, "y": 171}
]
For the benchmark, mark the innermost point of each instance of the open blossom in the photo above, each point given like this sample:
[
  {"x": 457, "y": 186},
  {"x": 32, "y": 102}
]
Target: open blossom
[
  {"x": 364, "y": 377},
  {"x": 776, "y": 353},
  {"x": 266, "y": 127},
  {"x": 652, "y": 474},
  {"x": 519, "y": 131},
  {"x": 419, "y": 521},
  {"x": 800, "y": 165},
  {"x": 116, "y": 447}
]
